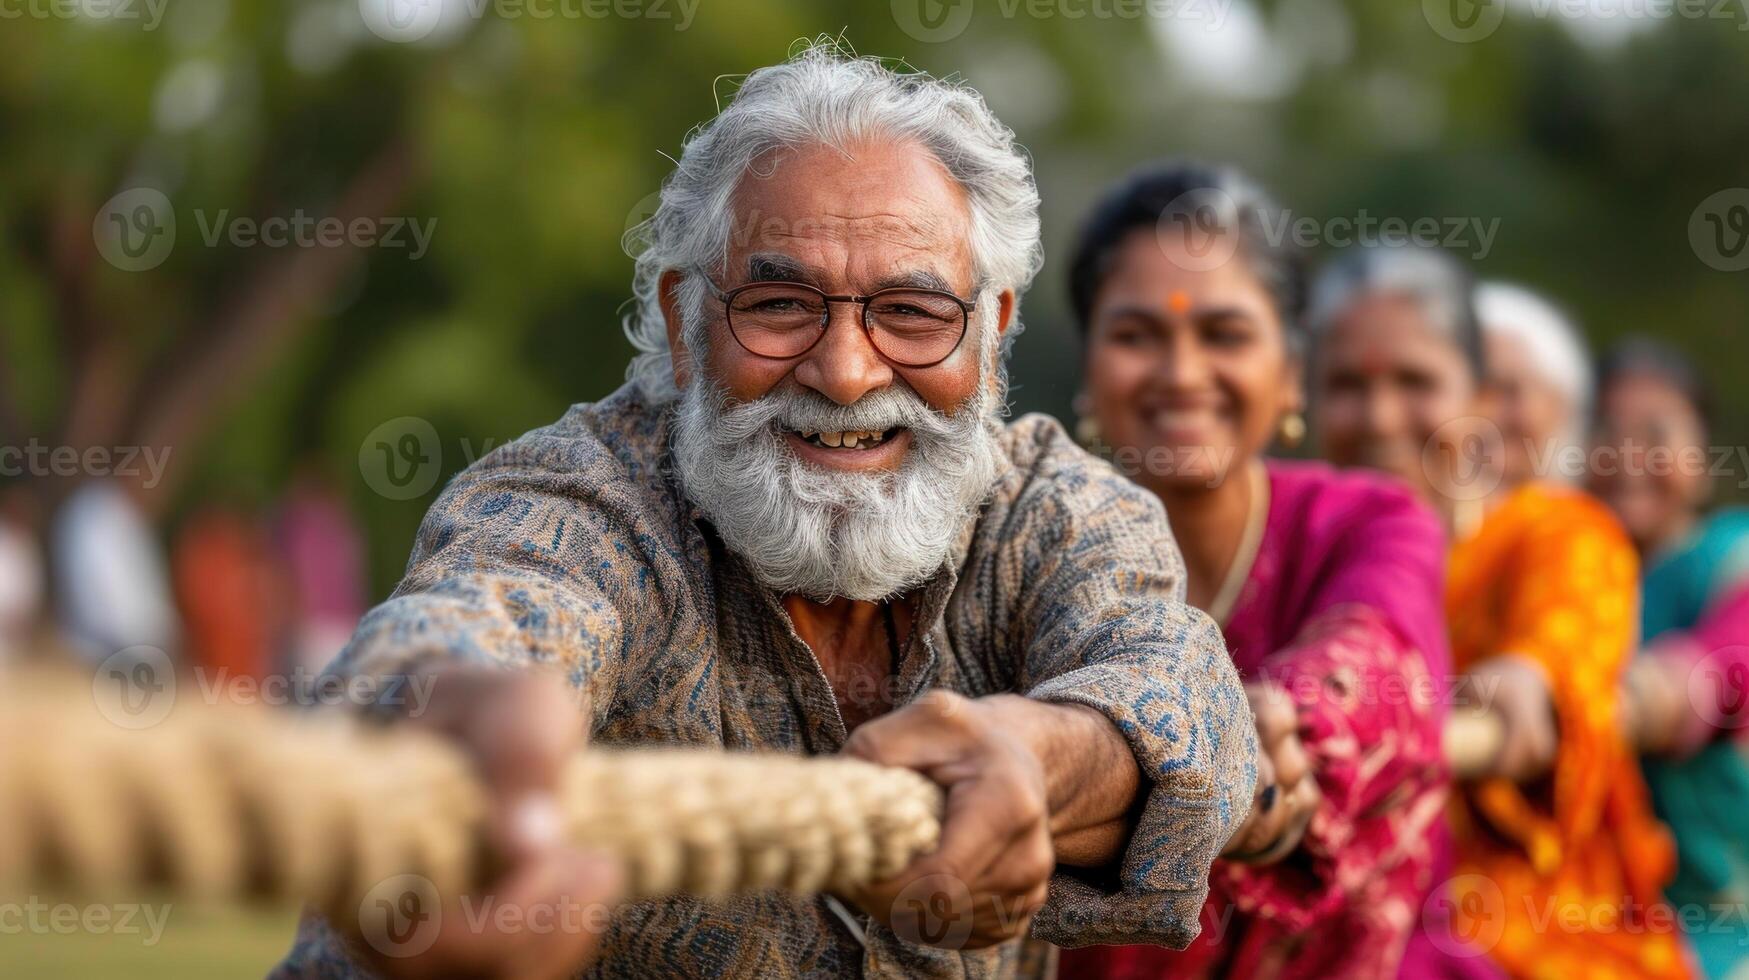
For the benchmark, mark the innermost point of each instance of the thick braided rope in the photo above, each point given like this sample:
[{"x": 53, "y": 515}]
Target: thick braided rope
[{"x": 227, "y": 802}]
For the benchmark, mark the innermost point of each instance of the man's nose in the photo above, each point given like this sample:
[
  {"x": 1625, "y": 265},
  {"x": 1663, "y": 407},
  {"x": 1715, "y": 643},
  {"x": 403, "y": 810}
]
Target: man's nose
[{"x": 844, "y": 365}]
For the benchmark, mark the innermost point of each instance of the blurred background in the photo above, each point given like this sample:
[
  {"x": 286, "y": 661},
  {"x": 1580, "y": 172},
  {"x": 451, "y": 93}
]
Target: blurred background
[{"x": 273, "y": 270}]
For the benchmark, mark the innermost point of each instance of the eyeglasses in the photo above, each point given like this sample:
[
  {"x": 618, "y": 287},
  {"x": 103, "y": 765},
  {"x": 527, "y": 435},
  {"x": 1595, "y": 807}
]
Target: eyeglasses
[{"x": 910, "y": 327}]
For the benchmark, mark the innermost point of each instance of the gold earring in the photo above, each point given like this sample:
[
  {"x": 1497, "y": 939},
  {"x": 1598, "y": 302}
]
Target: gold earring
[
  {"x": 1086, "y": 426},
  {"x": 1086, "y": 431},
  {"x": 1293, "y": 430}
]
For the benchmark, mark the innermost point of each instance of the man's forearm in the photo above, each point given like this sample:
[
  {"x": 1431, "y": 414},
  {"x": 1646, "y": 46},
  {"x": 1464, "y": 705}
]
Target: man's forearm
[{"x": 1091, "y": 777}]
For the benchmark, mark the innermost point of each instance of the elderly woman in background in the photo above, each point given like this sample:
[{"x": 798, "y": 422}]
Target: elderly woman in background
[
  {"x": 1327, "y": 586},
  {"x": 1686, "y": 688},
  {"x": 1559, "y": 857},
  {"x": 1539, "y": 376}
]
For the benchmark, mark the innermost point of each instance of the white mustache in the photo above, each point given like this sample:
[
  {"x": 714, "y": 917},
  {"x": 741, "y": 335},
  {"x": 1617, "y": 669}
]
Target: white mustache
[{"x": 805, "y": 410}]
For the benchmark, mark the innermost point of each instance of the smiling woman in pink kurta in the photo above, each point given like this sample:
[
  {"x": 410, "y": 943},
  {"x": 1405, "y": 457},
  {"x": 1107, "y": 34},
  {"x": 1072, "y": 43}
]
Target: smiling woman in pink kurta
[{"x": 1328, "y": 586}]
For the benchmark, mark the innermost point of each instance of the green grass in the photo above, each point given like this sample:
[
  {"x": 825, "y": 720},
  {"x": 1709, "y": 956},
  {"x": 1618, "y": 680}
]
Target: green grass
[{"x": 195, "y": 941}]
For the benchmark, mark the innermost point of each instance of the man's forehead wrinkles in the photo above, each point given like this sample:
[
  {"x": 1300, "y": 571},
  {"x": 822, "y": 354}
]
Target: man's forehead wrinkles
[{"x": 777, "y": 267}]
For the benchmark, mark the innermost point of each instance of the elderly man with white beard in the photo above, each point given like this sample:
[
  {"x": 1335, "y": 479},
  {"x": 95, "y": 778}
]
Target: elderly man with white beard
[{"x": 803, "y": 527}]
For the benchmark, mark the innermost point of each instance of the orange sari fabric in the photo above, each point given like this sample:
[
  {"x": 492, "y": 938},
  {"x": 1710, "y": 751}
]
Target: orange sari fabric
[{"x": 1562, "y": 878}]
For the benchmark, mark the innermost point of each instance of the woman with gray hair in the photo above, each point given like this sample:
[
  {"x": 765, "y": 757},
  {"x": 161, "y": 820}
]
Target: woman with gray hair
[
  {"x": 1540, "y": 603},
  {"x": 1540, "y": 374}
]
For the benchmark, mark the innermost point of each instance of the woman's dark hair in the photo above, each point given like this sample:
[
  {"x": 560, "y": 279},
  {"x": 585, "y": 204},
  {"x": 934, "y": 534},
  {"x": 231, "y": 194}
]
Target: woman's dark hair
[
  {"x": 1208, "y": 198},
  {"x": 1645, "y": 356},
  {"x": 1437, "y": 283}
]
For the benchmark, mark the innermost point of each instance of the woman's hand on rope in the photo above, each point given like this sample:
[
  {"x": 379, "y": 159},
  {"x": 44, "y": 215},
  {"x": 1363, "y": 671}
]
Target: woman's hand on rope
[
  {"x": 548, "y": 902},
  {"x": 1517, "y": 690},
  {"x": 1657, "y": 716},
  {"x": 989, "y": 876},
  {"x": 1287, "y": 793}
]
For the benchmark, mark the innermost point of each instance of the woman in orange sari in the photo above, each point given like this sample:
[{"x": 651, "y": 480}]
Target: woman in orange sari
[{"x": 1559, "y": 861}]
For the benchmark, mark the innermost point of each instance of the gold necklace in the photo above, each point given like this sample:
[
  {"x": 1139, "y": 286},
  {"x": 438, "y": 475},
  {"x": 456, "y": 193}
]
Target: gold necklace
[{"x": 1250, "y": 542}]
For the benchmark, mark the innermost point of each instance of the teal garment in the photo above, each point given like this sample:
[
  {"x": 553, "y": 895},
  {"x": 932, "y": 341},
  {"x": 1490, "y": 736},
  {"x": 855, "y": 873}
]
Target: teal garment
[{"x": 1705, "y": 798}]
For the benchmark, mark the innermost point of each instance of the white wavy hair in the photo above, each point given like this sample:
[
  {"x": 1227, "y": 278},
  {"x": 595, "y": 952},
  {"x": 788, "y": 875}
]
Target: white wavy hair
[
  {"x": 1557, "y": 349},
  {"x": 824, "y": 95}
]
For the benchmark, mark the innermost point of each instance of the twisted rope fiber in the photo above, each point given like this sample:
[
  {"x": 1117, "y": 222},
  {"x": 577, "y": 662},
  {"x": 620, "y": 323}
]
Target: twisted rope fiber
[{"x": 227, "y": 802}]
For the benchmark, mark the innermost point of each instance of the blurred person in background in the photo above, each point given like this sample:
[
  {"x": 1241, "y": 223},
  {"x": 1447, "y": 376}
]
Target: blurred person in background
[
  {"x": 1539, "y": 380},
  {"x": 232, "y": 591},
  {"x": 1540, "y": 600},
  {"x": 1687, "y": 687},
  {"x": 110, "y": 577},
  {"x": 1327, "y": 586},
  {"x": 21, "y": 572},
  {"x": 322, "y": 548}
]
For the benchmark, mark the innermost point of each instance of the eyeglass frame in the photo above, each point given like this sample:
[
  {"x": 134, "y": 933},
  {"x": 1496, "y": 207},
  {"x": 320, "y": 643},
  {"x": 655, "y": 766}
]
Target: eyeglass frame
[{"x": 727, "y": 296}]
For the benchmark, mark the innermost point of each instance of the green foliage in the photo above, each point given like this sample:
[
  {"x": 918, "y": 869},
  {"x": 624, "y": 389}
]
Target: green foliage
[{"x": 530, "y": 141}]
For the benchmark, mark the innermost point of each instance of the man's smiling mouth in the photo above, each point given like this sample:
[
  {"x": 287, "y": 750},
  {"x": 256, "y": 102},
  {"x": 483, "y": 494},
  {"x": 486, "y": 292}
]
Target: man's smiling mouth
[{"x": 849, "y": 438}]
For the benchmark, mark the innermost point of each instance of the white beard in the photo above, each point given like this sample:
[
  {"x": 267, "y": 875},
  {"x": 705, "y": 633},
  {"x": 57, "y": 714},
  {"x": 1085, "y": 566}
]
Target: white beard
[{"x": 808, "y": 530}]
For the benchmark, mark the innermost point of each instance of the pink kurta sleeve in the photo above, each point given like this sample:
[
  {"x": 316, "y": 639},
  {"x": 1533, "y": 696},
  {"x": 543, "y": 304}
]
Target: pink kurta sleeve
[
  {"x": 1364, "y": 671},
  {"x": 1714, "y": 655}
]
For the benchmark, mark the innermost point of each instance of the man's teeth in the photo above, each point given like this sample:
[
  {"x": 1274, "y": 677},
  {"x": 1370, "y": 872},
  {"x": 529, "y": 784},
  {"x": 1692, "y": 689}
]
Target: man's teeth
[{"x": 853, "y": 439}]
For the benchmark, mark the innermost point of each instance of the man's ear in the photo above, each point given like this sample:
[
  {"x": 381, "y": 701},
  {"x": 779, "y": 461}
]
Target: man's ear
[
  {"x": 1004, "y": 310},
  {"x": 679, "y": 356}
]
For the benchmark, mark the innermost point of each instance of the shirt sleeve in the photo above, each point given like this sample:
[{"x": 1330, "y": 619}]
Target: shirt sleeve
[
  {"x": 1102, "y": 622},
  {"x": 1362, "y": 675},
  {"x": 517, "y": 564}
]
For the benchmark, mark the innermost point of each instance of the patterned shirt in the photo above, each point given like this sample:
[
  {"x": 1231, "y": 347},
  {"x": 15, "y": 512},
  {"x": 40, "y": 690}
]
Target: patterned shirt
[{"x": 574, "y": 546}]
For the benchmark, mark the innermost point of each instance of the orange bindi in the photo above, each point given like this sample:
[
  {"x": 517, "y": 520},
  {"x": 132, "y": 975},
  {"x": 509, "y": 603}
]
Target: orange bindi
[{"x": 1178, "y": 301}]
